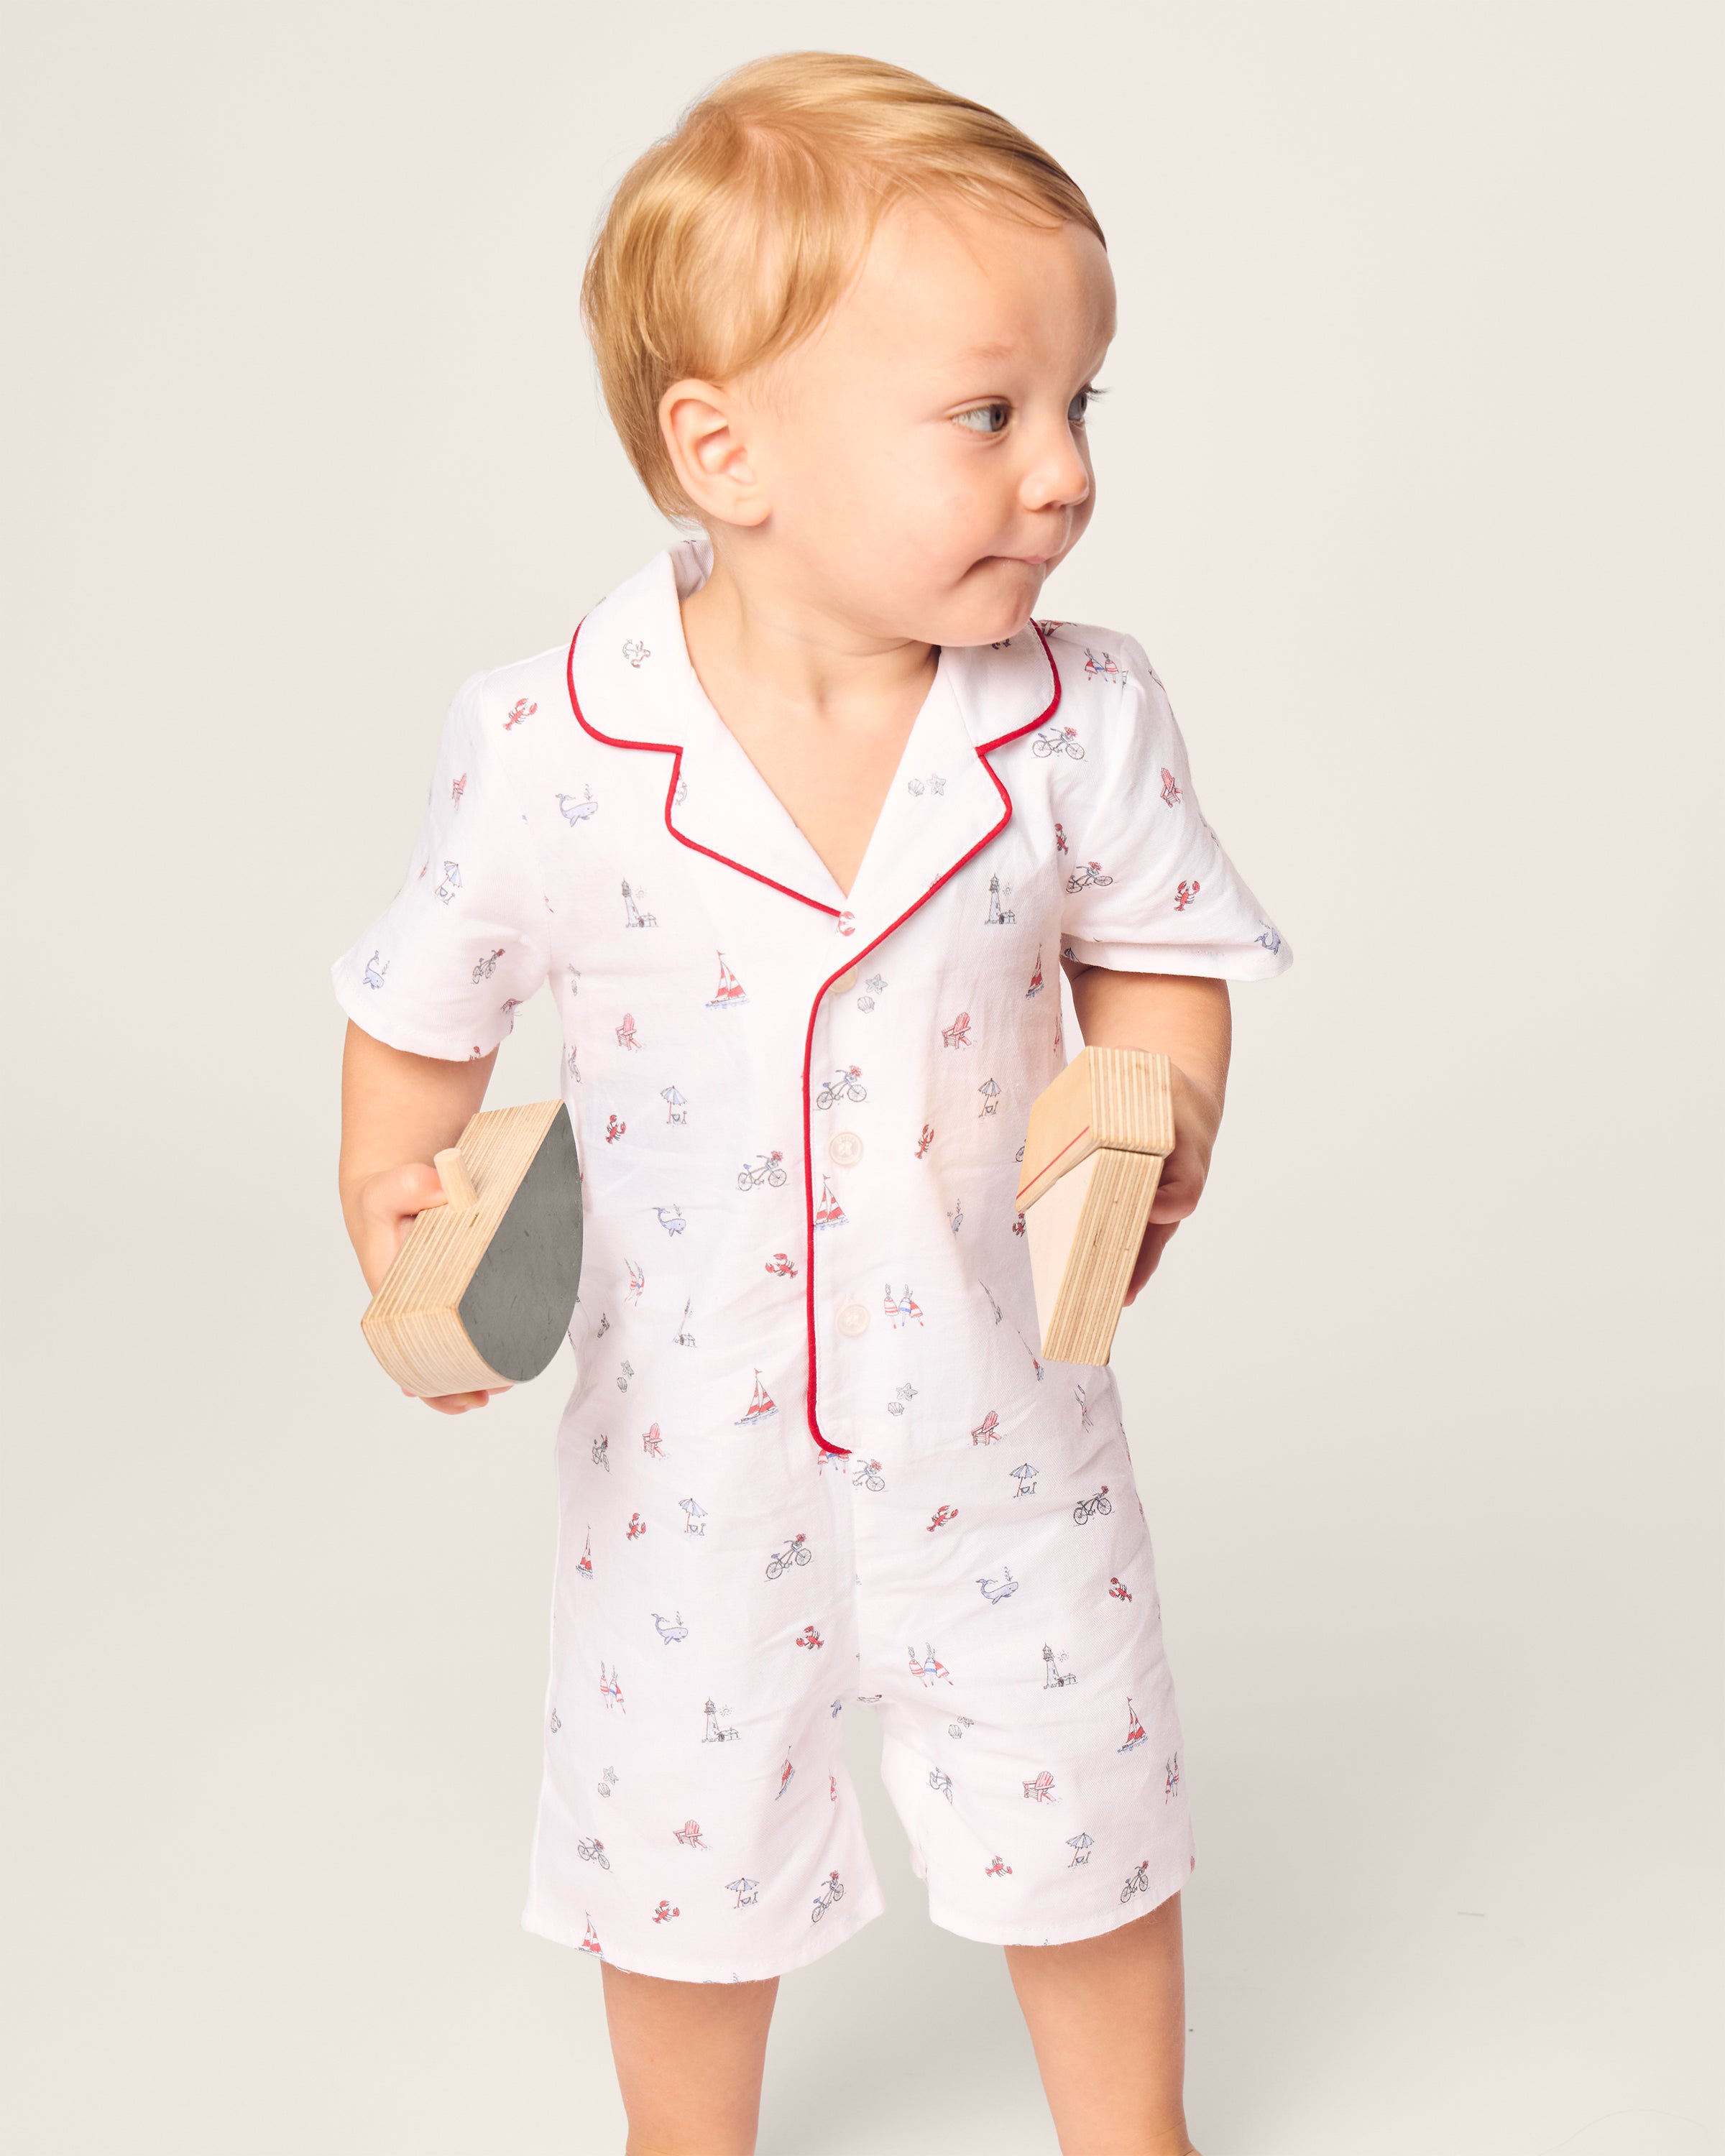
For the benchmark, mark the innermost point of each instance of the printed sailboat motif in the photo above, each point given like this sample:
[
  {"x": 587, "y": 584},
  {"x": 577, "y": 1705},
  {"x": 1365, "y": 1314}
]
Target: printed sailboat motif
[
  {"x": 729, "y": 992},
  {"x": 1035, "y": 987},
  {"x": 1135, "y": 1731},
  {"x": 829, "y": 1212},
  {"x": 759, "y": 1408},
  {"x": 583, "y": 1570}
]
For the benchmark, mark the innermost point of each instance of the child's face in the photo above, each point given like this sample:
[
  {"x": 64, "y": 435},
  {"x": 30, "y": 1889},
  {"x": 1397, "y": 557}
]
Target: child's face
[{"x": 922, "y": 461}]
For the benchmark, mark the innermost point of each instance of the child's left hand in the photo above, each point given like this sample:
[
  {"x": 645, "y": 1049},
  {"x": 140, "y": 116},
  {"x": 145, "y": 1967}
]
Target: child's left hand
[
  {"x": 1186, "y": 1018},
  {"x": 1197, "y": 1113}
]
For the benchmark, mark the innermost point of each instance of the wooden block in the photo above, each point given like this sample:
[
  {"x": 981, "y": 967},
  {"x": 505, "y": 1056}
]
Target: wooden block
[
  {"x": 1093, "y": 1157},
  {"x": 482, "y": 1290}
]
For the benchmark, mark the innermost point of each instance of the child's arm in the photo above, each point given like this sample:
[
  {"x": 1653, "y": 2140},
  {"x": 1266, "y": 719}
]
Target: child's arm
[
  {"x": 397, "y": 1111},
  {"x": 1186, "y": 1018}
]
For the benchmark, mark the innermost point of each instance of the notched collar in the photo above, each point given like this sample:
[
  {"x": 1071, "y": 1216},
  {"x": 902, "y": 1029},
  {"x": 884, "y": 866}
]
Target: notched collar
[{"x": 631, "y": 685}]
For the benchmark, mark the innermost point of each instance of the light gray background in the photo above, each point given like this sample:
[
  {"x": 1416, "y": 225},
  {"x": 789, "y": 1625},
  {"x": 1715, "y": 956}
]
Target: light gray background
[{"x": 1407, "y": 484}]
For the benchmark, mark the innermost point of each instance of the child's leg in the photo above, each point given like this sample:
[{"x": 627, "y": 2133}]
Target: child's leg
[
  {"x": 1108, "y": 2017},
  {"x": 689, "y": 2058}
]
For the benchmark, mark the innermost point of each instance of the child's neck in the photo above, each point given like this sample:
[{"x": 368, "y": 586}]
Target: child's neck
[
  {"x": 751, "y": 631},
  {"x": 820, "y": 707}
]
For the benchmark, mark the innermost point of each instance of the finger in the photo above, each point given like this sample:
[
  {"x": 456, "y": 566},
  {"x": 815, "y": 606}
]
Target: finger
[
  {"x": 412, "y": 1187},
  {"x": 1156, "y": 1241}
]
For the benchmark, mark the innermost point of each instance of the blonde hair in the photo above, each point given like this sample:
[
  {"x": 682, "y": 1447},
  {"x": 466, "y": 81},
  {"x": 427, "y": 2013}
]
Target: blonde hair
[{"x": 732, "y": 239}]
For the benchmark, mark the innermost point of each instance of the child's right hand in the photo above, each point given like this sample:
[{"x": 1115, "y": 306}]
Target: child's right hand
[{"x": 384, "y": 1208}]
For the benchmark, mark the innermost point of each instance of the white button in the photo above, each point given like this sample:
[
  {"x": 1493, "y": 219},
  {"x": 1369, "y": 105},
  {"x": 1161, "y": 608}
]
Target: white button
[
  {"x": 853, "y": 1319},
  {"x": 845, "y": 981},
  {"x": 844, "y": 1148}
]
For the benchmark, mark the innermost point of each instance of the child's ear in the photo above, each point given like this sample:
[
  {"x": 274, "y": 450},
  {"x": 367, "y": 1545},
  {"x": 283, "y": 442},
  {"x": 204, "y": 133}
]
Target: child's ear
[{"x": 702, "y": 425}]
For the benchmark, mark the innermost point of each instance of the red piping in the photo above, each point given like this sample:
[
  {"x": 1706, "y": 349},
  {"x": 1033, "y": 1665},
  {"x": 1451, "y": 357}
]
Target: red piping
[
  {"x": 674, "y": 749},
  {"x": 1041, "y": 718}
]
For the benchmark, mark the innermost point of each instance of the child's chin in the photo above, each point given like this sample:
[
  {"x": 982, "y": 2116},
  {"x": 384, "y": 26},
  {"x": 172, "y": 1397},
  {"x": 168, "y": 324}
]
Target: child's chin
[{"x": 992, "y": 618}]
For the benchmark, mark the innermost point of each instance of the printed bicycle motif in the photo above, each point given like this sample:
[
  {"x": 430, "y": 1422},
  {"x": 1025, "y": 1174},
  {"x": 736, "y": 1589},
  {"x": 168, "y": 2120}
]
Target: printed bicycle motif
[
  {"x": 770, "y": 1172},
  {"x": 1087, "y": 876},
  {"x": 1058, "y": 741},
  {"x": 842, "y": 1086},
  {"x": 796, "y": 1551}
]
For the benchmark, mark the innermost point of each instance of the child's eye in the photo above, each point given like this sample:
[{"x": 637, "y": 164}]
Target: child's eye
[
  {"x": 984, "y": 418},
  {"x": 1078, "y": 411}
]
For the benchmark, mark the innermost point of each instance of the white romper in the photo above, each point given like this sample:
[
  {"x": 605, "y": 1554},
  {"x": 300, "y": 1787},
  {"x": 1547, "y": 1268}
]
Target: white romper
[{"x": 811, "y": 1458}]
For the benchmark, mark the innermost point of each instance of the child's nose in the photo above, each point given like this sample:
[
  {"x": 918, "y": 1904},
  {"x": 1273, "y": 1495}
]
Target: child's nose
[{"x": 1058, "y": 477}]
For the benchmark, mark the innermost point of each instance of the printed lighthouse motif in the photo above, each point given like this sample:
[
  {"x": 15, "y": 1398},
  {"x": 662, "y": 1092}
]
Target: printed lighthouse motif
[
  {"x": 729, "y": 993},
  {"x": 760, "y": 1406}
]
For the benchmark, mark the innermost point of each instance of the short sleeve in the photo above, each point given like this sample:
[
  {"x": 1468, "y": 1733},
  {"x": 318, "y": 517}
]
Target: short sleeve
[
  {"x": 1147, "y": 887},
  {"x": 466, "y": 938}
]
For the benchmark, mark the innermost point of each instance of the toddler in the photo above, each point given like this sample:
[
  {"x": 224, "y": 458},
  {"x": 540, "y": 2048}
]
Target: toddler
[{"x": 798, "y": 825}]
